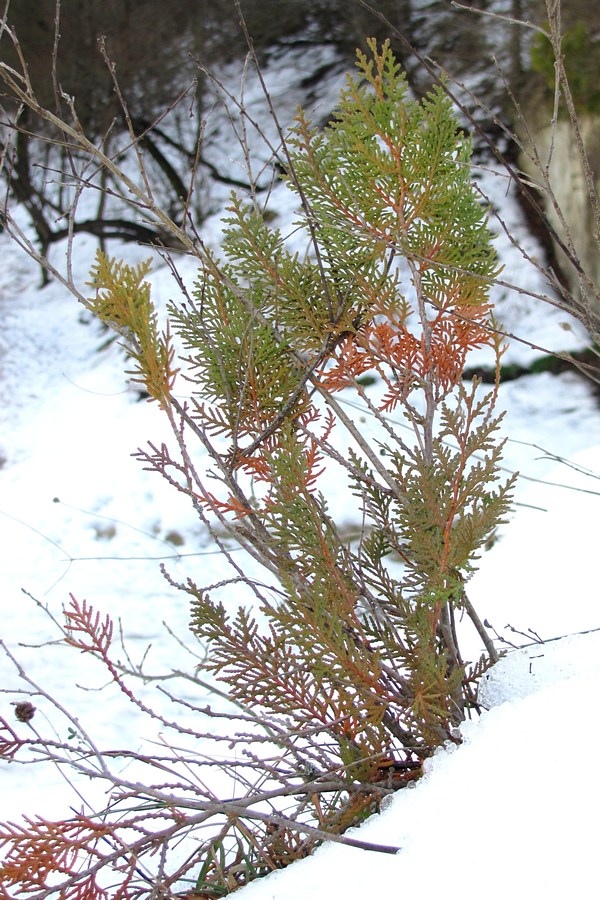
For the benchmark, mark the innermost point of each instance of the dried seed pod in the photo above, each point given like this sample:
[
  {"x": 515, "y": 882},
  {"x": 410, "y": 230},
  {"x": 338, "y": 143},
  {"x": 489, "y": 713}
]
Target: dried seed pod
[{"x": 24, "y": 711}]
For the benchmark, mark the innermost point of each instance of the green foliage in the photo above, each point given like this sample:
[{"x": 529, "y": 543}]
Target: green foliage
[
  {"x": 123, "y": 302},
  {"x": 582, "y": 62},
  {"x": 353, "y": 649}
]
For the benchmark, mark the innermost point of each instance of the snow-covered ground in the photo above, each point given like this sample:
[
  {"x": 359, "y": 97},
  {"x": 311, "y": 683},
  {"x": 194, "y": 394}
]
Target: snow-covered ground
[{"x": 511, "y": 811}]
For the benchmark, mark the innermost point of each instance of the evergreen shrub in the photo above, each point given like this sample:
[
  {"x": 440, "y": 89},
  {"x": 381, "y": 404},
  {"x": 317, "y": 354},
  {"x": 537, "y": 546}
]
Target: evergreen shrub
[
  {"x": 395, "y": 283},
  {"x": 345, "y": 656}
]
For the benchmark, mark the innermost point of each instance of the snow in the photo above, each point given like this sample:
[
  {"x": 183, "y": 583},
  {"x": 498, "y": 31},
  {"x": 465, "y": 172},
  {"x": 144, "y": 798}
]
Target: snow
[
  {"x": 494, "y": 818},
  {"x": 507, "y": 812}
]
